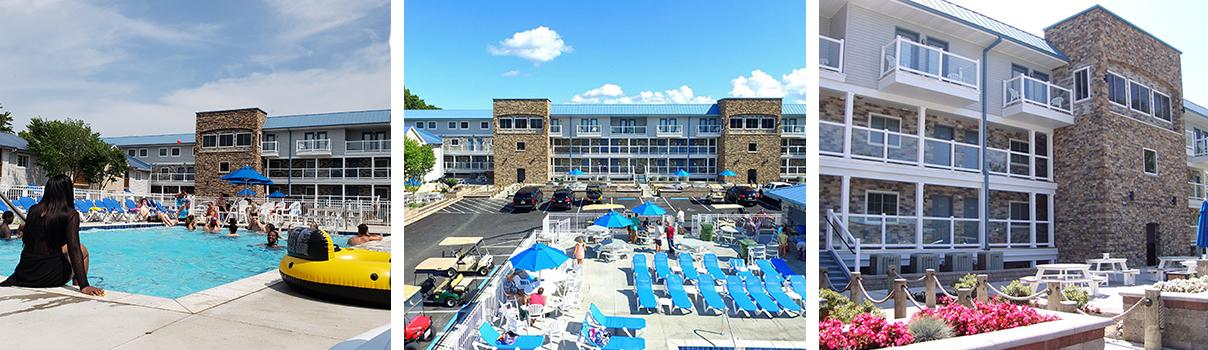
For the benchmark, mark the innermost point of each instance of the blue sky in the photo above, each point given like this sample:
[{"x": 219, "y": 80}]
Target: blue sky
[
  {"x": 1179, "y": 23},
  {"x": 459, "y": 55},
  {"x": 147, "y": 67}
]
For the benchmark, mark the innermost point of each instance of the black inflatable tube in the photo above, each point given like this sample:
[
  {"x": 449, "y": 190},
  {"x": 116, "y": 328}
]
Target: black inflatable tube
[{"x": 361, "y": 296}]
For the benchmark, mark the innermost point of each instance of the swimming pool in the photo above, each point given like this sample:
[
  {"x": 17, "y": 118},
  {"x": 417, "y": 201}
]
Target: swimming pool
[{"x": 164, "y": 262}]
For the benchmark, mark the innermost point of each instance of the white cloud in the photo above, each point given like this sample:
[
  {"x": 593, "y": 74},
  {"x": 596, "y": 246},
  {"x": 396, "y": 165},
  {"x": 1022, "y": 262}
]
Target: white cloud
[
  {"x": 760, "y": 84},
  {"x": 537, "y": 45},
  {"x": 511, "y": 73},
  {"x": 613, "y": 94},
  {"x": 305, "y": 18}
]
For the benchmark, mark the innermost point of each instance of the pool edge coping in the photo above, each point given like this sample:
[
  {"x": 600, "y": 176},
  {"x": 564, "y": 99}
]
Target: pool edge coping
[{"x": 193, "y": 303}]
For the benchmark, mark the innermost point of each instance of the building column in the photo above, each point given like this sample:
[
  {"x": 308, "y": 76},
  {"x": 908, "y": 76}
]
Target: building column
[
  {"x": 849, "y": 105},
  {"x": 1032, "y": 216},
  {"x": 844, "y": 194},
  {"x": 918, "y": 215},
  {"x": 922, "y": 133},
  {"x": 982, "y": 213},
  {"x": 1052, "y": 221},
  {"x": 1031, "y": 159},
  {"x": 1049, "y": 144}
]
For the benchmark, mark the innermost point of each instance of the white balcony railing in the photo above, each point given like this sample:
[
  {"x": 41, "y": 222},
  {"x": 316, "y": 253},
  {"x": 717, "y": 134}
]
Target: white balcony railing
[
  {"x": 830, "y": 54},
  {"x": 635, "y": 150},
  {"x": 1196, "y": 191},
  {"x": 269, "y": 148},
  {"x": 792, "y": 129},
  {"x": 708, "y": 129},
  {"x": 330, "y": 173},
  {"x": 319, "y": 146},
  {"x": 670, "y": 130},
  {"x": 628, "y": 130},
  {"x": 585, "y": 130},
  {"x": 555, "y": 129},
  {"x": 172, "y": 177},
  {"x": 884, "y": 145},
  {"x": 909, "y": 56},
  {"x": 485, "y": 166},
  {"x": 1198, "y": 147},
  {"x": 468, "y": 147},
  {"x": 1025, "y": 89},
  {"x": 792, "y": 150},
  {"x": 367, "y": 146}
]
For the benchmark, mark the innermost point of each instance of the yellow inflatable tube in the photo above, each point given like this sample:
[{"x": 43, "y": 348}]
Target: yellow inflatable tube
[{"x": 315, "y": 266}]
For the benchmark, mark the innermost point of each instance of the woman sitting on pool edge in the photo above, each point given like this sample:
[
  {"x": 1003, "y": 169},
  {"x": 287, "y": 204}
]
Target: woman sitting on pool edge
[{"x": 52, "y": 252}]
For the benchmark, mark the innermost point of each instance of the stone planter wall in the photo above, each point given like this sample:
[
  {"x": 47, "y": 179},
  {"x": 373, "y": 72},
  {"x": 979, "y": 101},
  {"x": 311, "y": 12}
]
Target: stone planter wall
[
  {"x": 1184, "y": 319},
  {"x": 1071, "y": 332}
]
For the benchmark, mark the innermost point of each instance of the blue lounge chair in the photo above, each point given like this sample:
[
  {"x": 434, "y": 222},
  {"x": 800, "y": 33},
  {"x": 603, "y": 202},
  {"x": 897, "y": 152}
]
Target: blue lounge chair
[
  {"x": 25, "y": 203},
  {"x": 661, "y": 267},
  {"x": 131, "y": 207},
  {"x": 615, "y": 342},
  {"x": 640, "y": 268},
  {"x": 490, "y": 337},
  {"x": 688, "y": 266},
  {"x": 737, "y": 265},
  {"x": 755, "y": 289},
  {"x": 113, "y": 207},
  {"x": 645, "y": 292},
  {"x": 787, "y": 304},
  {"x": 783, "y": 267},
  {"x": 768, "y": 270},
  {"x": 797, "y": 283},
  {"x": 712, "y": 266},
  {"x": 4, "y": 207},
  {"x": 679, "y": 298},
  {"x": 746, "y": 275},
  {"x": 738, "y": 294},
  {"x": 628, "y": 324},
  {"x": 708, "y": 292}
]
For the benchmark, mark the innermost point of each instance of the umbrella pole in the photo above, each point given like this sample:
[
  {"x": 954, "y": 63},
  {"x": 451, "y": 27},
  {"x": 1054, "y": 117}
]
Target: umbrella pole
[{"x": 10, "y": 205}]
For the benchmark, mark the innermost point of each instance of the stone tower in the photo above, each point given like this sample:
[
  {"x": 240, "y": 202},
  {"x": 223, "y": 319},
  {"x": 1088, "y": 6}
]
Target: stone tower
[
  {"x": 734, "y": 149},
  {"x": 511, "y": 160},
  {"x": 210, "y": 160},
  {"x": 1105, "y": 201}
]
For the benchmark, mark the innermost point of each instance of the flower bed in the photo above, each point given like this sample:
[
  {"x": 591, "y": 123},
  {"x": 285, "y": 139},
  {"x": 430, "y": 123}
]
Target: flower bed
[{"x": 985, "y": 317}]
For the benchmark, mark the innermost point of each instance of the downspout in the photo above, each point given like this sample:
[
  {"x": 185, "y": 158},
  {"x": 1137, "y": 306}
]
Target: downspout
[{"x": 985, "y": 132}]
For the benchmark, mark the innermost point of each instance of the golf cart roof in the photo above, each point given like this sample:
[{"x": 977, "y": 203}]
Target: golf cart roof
[
  {"x": 456, "y": 241},
  {"x": 435, "y": 265},
  {"x": 409, "y": 291}
]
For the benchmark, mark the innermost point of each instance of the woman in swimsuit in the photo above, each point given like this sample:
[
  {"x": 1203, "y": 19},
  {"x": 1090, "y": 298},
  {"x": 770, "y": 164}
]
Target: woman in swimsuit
[{"x": 52, "y": 254}]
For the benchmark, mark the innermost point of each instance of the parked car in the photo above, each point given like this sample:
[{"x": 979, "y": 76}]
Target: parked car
[
  {"x": 563, "y": 198},
  {"x": 771, "y": 186},
  {"x": 743, "y": 195},
  {"x": 528, "y": 197},
  {"x": 594, "y": 194}
]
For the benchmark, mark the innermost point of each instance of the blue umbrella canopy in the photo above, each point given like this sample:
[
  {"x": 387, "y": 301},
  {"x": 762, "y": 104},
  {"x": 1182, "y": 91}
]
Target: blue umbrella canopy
[
  {"x": 728, "y": 172},
  {"x": 246, "y": 192},
  {"x": 613, "y": 220},
  {"x": 276, "y": 194},
  {"x": 649, "y": 209},
  {"x": 538, "y": 257},
  {"x": 1201, "y": 234},
  {"x": 681, "y": 173},
  {"x": 246, "y": 176},
  {"x": 575, "y": 172}
]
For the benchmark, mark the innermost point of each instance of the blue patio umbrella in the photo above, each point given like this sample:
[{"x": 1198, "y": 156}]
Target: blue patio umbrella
[
  {"x": 276, "y": 194},
  {"x": 613, "y": 220},
  {"x": 1201, "y": 232},
  {"x": 681, "y": 173},
  {"x": 575, "y": 172},
  {"x": 414, "y": 182},
  {"x": 246, "y": 176},
  {"x": 246, "y": 192},
  {"x": 728, "y": 172},
  {"x": 538, "y": 257},
  {"x": 649, "y": 209}
]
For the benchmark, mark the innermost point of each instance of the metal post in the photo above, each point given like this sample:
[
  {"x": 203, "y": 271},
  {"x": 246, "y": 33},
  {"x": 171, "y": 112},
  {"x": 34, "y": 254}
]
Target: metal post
[
  {"x": 857, "y": 289},
  {"x": 983, "y": 290},
  {"x": 899, "y": 298},
  {"x": 929, "y": 288},
  {"x": 1055, "y": 296},
  {"x": 1153, "y": 319}
]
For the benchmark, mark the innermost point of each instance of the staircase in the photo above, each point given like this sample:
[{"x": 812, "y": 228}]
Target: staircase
[
  {"x": 837, "y": 270},
  {"x": 834, "y": 270}
]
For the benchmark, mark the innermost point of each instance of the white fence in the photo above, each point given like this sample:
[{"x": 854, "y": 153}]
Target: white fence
[{"x": 485, "y": 305}]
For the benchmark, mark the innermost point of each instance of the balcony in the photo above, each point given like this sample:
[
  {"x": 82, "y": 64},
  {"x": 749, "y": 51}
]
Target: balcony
[
  {"x": 628, "y": 130},
  {"x": 635, "y": 150},
  {"x": 708, "y": 130},
  {"x": 330, "y": 173},
  {"x": 555, "y": 130},
  {"x": 912, "y": 69},
  {"x": 469, "y": 166},
  {"x": 792, "y": 151},
  {"x": 792, "y": 130},
  {"x": 830, "y": 58},
  {"x": 1036, "y": 102},
  {"x": 587, "y": 130},
  {"x": 468, "y": 148},
  {"x": 1196, "y": 193},
  {"x": 367, "y": 146},
  {"x": 269, "y": 148},
  {"x": 320, "y": 147},
  {"x": 172, "y": 177},
  {"x": 669, "y": 130},
  {"x": 1197, "y": 153}
]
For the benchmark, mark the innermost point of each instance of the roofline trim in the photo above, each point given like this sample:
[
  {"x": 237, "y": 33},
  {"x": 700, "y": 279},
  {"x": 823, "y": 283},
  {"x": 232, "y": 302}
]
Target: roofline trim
[
  {"x": 1060, "y": 55},
  {"x": 1113, "y": 14}
]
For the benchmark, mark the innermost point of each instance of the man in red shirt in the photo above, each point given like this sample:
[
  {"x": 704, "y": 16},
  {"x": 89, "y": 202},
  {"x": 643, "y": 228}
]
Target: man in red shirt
[{"x": 671, "y": 238}]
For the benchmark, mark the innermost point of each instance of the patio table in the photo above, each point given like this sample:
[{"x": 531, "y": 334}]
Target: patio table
[
  {"x": 695, "y": 246},
  {"x": 1167, "y": 260},
  {"x": 1066, "y": 274},
  {"x": 612, "y": 248},
  {"x": 1111, "y": 266}
]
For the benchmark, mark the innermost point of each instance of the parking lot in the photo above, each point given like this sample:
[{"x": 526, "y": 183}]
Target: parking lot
[{"x": 502, "y": 230}]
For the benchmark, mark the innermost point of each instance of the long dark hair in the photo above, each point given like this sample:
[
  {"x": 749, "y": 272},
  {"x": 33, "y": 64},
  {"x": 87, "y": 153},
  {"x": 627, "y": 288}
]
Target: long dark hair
[{"x": 56, "y": 207}]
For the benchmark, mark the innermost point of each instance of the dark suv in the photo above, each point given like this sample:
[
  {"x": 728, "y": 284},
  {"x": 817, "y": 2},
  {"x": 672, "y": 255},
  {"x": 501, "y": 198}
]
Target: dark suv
[
  {"x": 594, "y": 194},
  {"x": 527, "y": 197},
  {"x": 563, "y": 198},
  {"x": 744, "y": 195}
]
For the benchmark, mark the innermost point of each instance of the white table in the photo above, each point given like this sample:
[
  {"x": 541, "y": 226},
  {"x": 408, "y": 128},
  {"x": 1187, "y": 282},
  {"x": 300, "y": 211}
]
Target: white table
[
  {"x": 1113, "y": 266},
  {"x": 1167, "y": 260},
  {"x": 696, "y": 246},
  {"x": 1066, "y": 274}
]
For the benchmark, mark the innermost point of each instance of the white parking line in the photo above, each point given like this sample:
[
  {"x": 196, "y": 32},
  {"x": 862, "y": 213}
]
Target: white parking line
[{"x": 668, "y": 203}]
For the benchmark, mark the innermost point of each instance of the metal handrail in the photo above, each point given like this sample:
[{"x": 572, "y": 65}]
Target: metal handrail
[{"x": 835, "y": 224}]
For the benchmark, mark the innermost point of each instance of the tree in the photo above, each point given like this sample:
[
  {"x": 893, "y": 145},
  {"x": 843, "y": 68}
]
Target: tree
[
  {"x": 6, "y": 121},
  {"x": 71, "y": 147},
  {"x": 414, "y": 102},
  {"x": 418, "y": 159}
]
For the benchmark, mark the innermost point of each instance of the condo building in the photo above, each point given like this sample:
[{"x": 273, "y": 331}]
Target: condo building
[
  {"x": 534, "y": 140},
  {"x": 340, "y": 155},
  {"x": 944, "y": 130}
]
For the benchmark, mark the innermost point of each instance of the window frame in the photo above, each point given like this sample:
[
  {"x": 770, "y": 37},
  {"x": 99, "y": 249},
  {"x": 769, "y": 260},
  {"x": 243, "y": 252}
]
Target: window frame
[
  {"x": 749, "y": 146},
  {"x": 452, "y": 125},
  {"x": 484, "y": 125},
  {"x": 1153, "y": 106},
  {"x": 1145, "y": 162},
  {"x": 432, "y": 125},
  {"x": 228, "y": 167},
  {"x": 142, "y": 153},
  {"x": 1109, "y": 90},
  {"x": 1087, "y": 89},
  {"x": 521, "y": 146},
  {"x": 897, "y": 199},
  {"x": 871, "y": 129},
  {"x": 419, "y": 125},
  {"x": 19, "y": 160},
  {"x": 131, "y": 152},
  {"x": 175, "y": 152},
  {"x": 1148, "y": 95}
]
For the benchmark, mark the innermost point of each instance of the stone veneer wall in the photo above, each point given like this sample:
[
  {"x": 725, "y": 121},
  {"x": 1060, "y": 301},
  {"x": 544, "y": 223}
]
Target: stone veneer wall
[
  {"x": 732, "y": 146},
  {"x": 208, "y": 179},
  {"x": 1098, "y": 165},
  {"x": 535, "y": 159}
]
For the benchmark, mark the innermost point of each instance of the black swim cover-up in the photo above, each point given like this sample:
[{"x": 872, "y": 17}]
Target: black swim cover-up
[{"x": 42, "y": 261}]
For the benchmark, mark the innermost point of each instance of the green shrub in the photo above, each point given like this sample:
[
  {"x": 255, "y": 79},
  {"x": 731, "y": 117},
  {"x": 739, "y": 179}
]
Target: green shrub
[
  {"x": 841, "y": 308},
  {"x": 449, "y": 181},
  {"x": 1076, "y": 294},
  {"x": 829, "y": 299},
  {"x": 1018, "y": 290},
  {"x": 410, "y": 188},
  {"x": 928, "y": 328},
  {"x": 966, "y": 281}
]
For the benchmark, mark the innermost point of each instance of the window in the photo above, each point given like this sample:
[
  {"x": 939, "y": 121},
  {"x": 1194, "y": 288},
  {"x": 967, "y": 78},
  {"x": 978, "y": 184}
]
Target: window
[
  {"x": 1019, "y": 211},
  {"x": 520, "y": 123},
  {"x": 505, "y": 123},
  {"x": 465, "y": 125},
  {"x": 877, "y": 203},
  {"x": 176, "y": 151},
  {"x": 767, "y": 123},
  {"x": 536, "y": 123},
  {"x": 1117, "y": 89},
  {"x": 752, "y": 122},
  {"x": 226, "y": 140},
  {"x": 519, "y": 146},
  {"x": 452, "y": 125},
  {"x": 431, "y": 125},
  {"x": 1151, "y": 162},
  {"x": 1161, "y": 106},
  {"x": 142, "y": 152},
  {"x": 886, "y": 123},
  {"x": 244, "y": 139},
  {"x": 163, "y": 152},
  {"x": 752, "y": 147},
  {"x": 484, "y": 125},
  {"x": 455, "y": 142},
  {"x": 735, "y": 123},
  {"x": 419, "y": 125},
  {"x": 1082, "y": 87},
  {"x": 1139, "y": 97},
  {"x": 22, "y": 160},
  {"x": 131, "y": 152},
  {"x": 224, "y": 167}
]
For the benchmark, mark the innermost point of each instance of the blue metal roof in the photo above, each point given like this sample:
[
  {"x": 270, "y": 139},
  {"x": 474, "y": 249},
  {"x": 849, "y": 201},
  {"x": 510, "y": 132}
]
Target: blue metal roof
[
  {"x": 426, "y": 136},
  {"x": 793, "y": 194},
  {"x": 792, "y": 108},
  {"x": 8, "y": 140},
  {"x": 985, "y": 23},
  {"x": 380, "y": 116},
  {"x": 137, "y": 164},
  {"x": 1197, "y": 109},
  {"x": 150, "y": 139},
  {"x": 447, "y": 113}
]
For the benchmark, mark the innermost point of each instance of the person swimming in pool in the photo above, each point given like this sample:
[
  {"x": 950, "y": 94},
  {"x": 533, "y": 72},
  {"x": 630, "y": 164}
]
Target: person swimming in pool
[
  {"x": 233, "y": 226},
  {"x": 190, "y": 222},
  {"x": 272, "y": 236},
  {"x": 212, "y": 225},
  {"x": 6, "y": 222},
  {"x": 52, "y": 253},
  {"x": 363, "y": 236},
  {"x": 254, "y": 224}
]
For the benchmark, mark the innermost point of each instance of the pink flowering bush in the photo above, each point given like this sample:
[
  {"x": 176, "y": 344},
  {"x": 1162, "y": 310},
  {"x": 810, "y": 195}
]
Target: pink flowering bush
[
  {"x": 985, "y": 317},
  {"x": 866, "y": 331}
]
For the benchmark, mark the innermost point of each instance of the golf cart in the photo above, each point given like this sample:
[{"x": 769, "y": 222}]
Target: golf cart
[
  {"x": 470, "y": 258},
  {"x": 418, "y": 325},
  {"x": 441, "y": 283}
]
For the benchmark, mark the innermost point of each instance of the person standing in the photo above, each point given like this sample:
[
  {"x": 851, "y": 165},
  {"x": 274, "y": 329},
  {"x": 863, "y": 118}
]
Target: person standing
[
  {"x": 671, "y": 239},
  {"x": 580, "y": 251}
]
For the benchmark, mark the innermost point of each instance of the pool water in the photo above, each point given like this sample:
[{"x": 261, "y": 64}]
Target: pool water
[{"x": 164, "y": 262}]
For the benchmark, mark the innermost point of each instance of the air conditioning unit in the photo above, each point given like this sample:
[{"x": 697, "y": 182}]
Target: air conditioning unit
[
  {"x": 989, "y": 261},
  {"x": 920, "y": 262},
  {"x": 881, "y": 264},
  {"x": 957, "y": 261}
]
